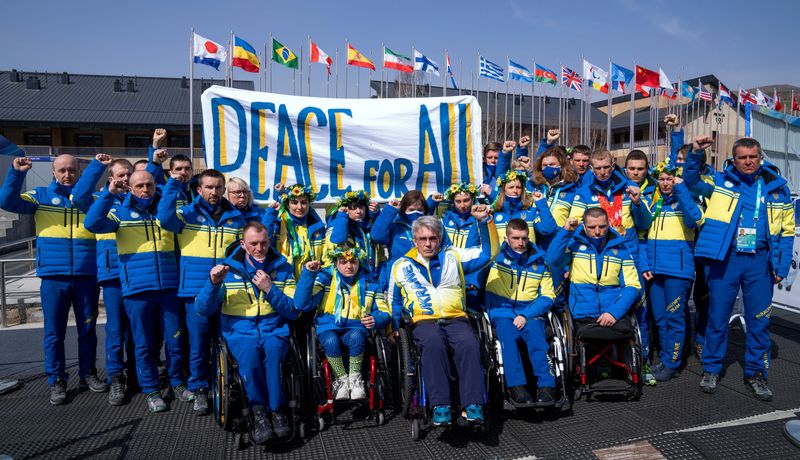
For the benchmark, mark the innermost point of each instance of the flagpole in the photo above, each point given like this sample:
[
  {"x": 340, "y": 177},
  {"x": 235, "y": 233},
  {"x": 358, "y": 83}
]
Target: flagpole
[
  {"x": 272, "y": 45},
  {"x": 309, "y": 65},
  {"x": 608, "y": 109},
  {"x": 534, "y": 106},
  {"x": 347, "y": 50},
  {"x": 633, "y": 108},
  {"x": 230, "y": 60},
  {"x": 301, "y": 70},
  {"x": 413, "y": 72},
  {"x": 505, "y": 110},
  {"x": 461, "y": 75},
  {"x": 336, "y": 90},
  {"x": 191, "y": 96},
  {"x": 496, "y": 92},
  {"x": 446, "y": 72},
  {"x": 383, "y": 67}
]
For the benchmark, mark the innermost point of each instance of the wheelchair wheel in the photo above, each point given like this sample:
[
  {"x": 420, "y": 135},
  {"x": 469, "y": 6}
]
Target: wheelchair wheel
[
  {"x": 220, "y": 386},
  {"x": 415, "y": 429},
  {"x": 405, "y": 371}
]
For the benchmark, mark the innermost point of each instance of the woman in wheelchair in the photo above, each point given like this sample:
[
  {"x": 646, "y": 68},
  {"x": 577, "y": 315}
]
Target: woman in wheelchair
[
  {"x": 428, "y": 283},
  {"x": 519, "y": 293},
  {"x": 252, "y": 290},
  {"x": 348, "y": 307}
]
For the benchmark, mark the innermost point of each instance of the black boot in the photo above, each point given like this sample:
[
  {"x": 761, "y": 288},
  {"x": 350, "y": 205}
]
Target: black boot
[
  {"x": 544, "y": 396},
  {"x": 280, "y": 425},
  {"x": 520, "y": 395},
  {"x": 262, "y": 429}
]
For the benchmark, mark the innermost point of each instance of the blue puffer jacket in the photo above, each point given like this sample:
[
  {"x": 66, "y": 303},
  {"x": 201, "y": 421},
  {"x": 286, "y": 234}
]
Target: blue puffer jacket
[
  {"x": 146, "y": 251},
  {"x": 64, "y": 247},
  {"x": 83, "y": 195},
  {"x": 201, "y": 240},
  {"x": 540, "y": 221},
  {"x": 670, "y": 240},
  {"x": 342, "y": 229},
  {"x": 600, "y": 282},
  {"x": 253, "y": 213},
  {"x": 724, "y": 207},
  {"x": 519, "y": 289},
  {"x": 464, "y": 234}
]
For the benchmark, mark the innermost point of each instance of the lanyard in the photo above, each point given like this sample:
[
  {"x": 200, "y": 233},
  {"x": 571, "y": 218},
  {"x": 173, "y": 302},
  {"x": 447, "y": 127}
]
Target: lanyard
[{"x": 758, "y": 204}]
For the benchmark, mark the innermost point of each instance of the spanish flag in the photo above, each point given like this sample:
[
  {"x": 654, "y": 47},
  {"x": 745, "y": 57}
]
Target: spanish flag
[
  {"x": 357, "y": 59},
  {"x": 245, "y": 56}
]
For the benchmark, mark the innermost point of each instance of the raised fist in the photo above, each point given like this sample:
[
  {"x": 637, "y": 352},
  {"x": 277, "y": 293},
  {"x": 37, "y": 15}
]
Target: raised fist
[
  {"x": 274, "y": 205},
  {"x": 480, "y": 212},
  {"x": 671, "y": 120},
  {"x": 160, "y": 156},
  {"x": 437, "y": 197},
  {"x": 524, "y": 141},
  {"x": 553, "y": 135},
  {"x": 117, "y": 187},
  {"x": 176, "y": 175},
  {"x": 572, "y": 224},
  {"x": 486, "y": 189},
  {"x": 394, "y": 202},
  {"x": 373, "y": 206},
  {"x": 279, "y": 187},
  {"x": 508, "y": 146},
  {"x": 678, "y": 180},
  {"x": 103, "y": 158},
  {"x": 635, "y": 193},
  {"x": 702, "y": 143},
  {"x": 218, "y": 273},
  {"x": 313, "y": 265},
  {"x": 536, "y": 195},
  {"x": 22, "y": 164},
  {"x": 159, "y": 138}
]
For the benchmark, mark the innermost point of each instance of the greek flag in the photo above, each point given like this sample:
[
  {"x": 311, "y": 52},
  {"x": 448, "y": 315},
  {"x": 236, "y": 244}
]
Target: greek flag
[
  {"x": 491, "y": 70},
  {"x": 425, "y": 64}
]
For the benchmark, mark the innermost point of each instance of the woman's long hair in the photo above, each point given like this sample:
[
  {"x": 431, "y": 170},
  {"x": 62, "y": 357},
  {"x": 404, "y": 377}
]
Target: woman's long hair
[
  {"x": 568, "y": 173},
  {"x": 501, "y": 196}
]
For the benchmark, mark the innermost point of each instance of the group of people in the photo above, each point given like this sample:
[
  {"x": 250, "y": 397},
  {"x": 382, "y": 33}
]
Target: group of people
[{"x": 181, "y": 258}]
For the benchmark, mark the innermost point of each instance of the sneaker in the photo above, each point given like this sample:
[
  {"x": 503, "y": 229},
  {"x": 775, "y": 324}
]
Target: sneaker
[
  {"x": 156, "y": 403},
  {"x": 442, "y": 415},
  {"x": 262, "y": 429},
  {"x": 182, "y": 393},
  {"x": 280, "y": 425},
  {"x": 116, "y": 397},
  {"x": 603, "y": 369},
  {"x": 709, "y": 382},
  {"x": 758, "y": 385},
  {"x": 356, "y": 384},
  {"x": 91, "y": 382},
  {"x": 647, "y": 375},
  {"x": 200, "y": 406},
  {"x": 544, "y": 396},
  {"x": 341, "y": 388},
  {"x": 519, "y": 394},
  {"x": 474, "y": 413},
  {"x": 663, "y": 373},
  {"x": 58, "y": 392}
]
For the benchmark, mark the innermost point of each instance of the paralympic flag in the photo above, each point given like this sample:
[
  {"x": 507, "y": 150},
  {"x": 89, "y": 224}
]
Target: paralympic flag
[
  {"x": 245, "y": 56},
  {"x": 595, "y": 76},
  {"x": 208, "y": 52}
]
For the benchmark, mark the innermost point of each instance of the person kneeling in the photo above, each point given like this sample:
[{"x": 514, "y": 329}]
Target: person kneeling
[
  {"x": 519, "y": 292},
  {"x": 348, "y": 307},
  {"x": 253, "y": 291}
]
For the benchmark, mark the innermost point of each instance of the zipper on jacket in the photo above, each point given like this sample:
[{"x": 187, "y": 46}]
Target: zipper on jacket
[{"x": 155, "y": 248}]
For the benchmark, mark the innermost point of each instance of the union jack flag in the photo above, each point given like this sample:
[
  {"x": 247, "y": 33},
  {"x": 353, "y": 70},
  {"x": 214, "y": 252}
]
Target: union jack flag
[{"x": 570, "y": 79}]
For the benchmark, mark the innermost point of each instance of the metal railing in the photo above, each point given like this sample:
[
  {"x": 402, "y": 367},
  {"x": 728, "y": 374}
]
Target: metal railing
[
  {"x": 118, "y": 152},
  {"x": 3, "y": 278}
]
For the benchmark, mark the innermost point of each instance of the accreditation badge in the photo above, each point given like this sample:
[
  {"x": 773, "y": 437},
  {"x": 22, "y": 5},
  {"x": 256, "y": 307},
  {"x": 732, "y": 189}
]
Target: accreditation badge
[{"x": 746, "y": 239}]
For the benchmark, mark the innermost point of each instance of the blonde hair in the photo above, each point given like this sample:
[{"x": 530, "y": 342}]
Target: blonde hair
[
  {"x": 242, "y": 185},
  {"x": 501, "y": 196}
]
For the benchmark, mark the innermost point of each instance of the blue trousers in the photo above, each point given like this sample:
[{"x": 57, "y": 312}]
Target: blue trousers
[
  {"x": 353, "y": 338},
  {"x": 119, "y": 339},
  {"x": 58, "y": 294},
  {"x": 640, "y": 310},
  {"x": 434, "y": 339},
  {"x": 701, "y": 297},
  {"x": 532, "y": 335},
  {"x": 752, "y": 273},
  {"x": 200, "y": 329},
  {"x": 668, "y": 303},
  {"x": 260, "y": 353},
  {"x": 145, "y": 311}
]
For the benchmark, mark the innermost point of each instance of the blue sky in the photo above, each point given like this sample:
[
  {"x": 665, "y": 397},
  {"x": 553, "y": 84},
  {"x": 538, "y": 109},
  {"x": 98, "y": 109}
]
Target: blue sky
[{"x": 150, "y": 38}]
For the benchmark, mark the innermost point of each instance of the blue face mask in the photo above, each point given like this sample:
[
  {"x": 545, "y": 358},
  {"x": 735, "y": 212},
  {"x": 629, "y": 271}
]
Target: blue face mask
[
  {"x": 514, "y": 201},
  {"x": 464, "y": 215},
  {"x": 143, "y": 203},
  {"x": 551, "y": 172},
  {"x": 604, "y": 183},
  {"x": 491, "y": 169},
  {"x": 413, "y": 215},
  {"x": 597, "y": 242}
]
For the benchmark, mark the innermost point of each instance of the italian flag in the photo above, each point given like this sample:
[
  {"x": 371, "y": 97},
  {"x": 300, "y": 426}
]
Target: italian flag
[{"x": 396, "y": 61}]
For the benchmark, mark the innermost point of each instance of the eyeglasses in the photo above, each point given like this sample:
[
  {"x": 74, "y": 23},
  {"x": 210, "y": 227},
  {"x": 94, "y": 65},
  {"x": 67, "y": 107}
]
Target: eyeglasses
[{"x": 238, "y": 192}]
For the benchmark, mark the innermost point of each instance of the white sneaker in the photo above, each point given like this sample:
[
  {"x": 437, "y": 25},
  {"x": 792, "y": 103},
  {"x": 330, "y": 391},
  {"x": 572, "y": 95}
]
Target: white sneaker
[
  {"x": 357, "y": 387},
  {"x": 341, "y": 388}
]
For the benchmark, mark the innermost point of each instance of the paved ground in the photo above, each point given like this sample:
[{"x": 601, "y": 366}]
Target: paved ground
[{"x": 672, "y": 420}]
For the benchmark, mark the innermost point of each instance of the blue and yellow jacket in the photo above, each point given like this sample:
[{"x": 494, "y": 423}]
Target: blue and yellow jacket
[
  {"x": 724, "y": 208},
  {"x": 519, "y": 285},
  {"x": 559, "y": 200},
  {"x": 342, "y": 229},
  {"x": 670, "y": 240},
  {"x": 310, "y": 237},
  {"x": 83, "y": 195},
  {"x": 64, "y": 247},
  {"x": 240, "y": 302},
  {"x": 540, "y": 221},
  {"x": 439, "y": 293},
  {"x": 393, "y": 231},
  {"x": 600, "y": 282},
  {"x": 147, "y": 260},
  {"x": 465, "y": 234},
  {"x": 253, "y": 213},
  {"x": 339, "y": 305},
  {"x": 202, "y": 240}
]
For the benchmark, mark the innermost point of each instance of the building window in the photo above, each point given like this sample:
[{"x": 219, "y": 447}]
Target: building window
[
  {"x": 180, "y": 142},
  {"x": 137, "y": 142},
  {"x": 37, "y": 139},
  {"x": 89, "y": 140}
]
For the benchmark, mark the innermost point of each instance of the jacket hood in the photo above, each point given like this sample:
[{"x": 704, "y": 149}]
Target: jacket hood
[
  {"x": 614, "y": 238},
  {"x": 235, "y": 258},
  {"x": 769, "y": 172}
]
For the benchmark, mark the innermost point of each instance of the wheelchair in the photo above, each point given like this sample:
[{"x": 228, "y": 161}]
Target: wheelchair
[
  {"x": 558, "y": 355},
  {"x": 413, "y": 399},
  {"x": 320, "y": 381},
  {"x": 602, "y": 365},
  {"x": 229, "y": 400}
]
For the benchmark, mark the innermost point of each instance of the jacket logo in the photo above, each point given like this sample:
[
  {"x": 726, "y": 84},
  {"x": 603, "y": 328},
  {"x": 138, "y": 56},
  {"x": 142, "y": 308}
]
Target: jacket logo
[
  {"x": 506, "y": 261},
  {"x": 582, "y": 247},
  {"x": 775, "y": 195},
  {"x": 594, "y": 198},
  {"x": 55, "y": 200},
  {"x": 230, "y": 222},
  {"x": 535, "y": 267},
  {"x": 498, "y": 217},
  {"x": 728, "y": 184},
  {"x": 238, "y": 277},
  {"x": 614, "y": 251},
  {"x": 134, "y": 214},
  {"x": 762, "y": 199},
  {"x": 201, "y": 219},
  {"x": 562, "y": 194}
]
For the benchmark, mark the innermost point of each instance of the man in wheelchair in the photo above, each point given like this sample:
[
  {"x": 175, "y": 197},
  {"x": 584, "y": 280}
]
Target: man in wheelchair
[
  {"x": 348, "y": 306},
  {"x": 519, "y": 293},
  {"x": 253, "y": 291},
  {"x": 428, "y": 283}
]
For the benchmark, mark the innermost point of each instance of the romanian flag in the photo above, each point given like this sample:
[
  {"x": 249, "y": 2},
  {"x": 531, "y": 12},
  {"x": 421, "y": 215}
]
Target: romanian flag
[
  {"x": 245, "y": 56},
  {"x": 357, "y": 59}
]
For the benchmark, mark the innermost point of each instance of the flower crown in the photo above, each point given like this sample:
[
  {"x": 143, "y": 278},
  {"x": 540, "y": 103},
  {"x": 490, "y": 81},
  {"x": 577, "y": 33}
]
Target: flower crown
[
  {"x": 360, "y": 197},
  {"x": 300, "y": 190},
  {"x": 346, "y": 252},
  {"x": 463, "y": 187},
  {"x": 511, "y": 176},
  {"x": 666, "y": 167}
]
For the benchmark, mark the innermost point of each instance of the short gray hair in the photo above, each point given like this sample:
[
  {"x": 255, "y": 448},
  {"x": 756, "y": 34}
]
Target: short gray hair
[{"x": 430, "y": 222}]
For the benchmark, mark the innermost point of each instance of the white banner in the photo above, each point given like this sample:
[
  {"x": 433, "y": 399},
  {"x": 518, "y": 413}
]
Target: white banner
[
  {"x": 384, "y": 146},
  {"x": 785, "y": 293}
]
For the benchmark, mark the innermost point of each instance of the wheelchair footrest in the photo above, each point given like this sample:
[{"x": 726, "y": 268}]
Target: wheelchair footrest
[{"x": 610, "y": 386}]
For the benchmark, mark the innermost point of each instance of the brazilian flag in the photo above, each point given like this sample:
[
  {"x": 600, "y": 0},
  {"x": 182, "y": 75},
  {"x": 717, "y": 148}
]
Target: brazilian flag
[{"x": 283, "y": 55}]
